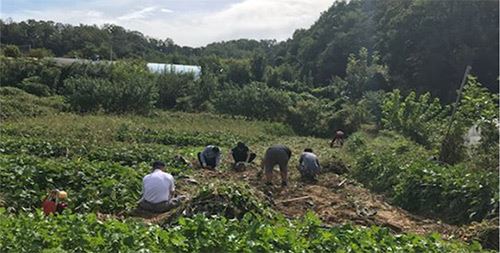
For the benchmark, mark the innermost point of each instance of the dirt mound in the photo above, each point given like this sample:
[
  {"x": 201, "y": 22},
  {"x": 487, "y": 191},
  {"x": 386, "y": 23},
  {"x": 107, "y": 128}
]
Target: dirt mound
[
  {"x": 216, "y": 196},
  {"x": 485, "y": 232},
  {"x": 335, "y": 199},
  {"x": 334, "y": 166}
]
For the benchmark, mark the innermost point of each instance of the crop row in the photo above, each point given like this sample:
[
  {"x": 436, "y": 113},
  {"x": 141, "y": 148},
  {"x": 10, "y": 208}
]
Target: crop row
[
  {"x": 127, "y": 133},
  {"x": 124, "y": 153},
  {"x": 86, "y": 233},
  {"x": 93, "y": 186}
]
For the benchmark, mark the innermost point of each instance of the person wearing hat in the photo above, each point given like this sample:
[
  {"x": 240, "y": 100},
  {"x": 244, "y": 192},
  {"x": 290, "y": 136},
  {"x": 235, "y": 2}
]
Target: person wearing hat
[
  {"x": 158, "y": 190},
  {"x": 54, "y": 202}
]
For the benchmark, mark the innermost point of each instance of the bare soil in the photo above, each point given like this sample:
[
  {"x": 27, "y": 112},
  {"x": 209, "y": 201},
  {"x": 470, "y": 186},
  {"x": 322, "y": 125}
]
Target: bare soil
[{"x": 336, "y": 199}]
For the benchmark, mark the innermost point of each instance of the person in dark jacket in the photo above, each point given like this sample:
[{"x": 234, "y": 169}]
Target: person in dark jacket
[{"x": 241, "y": 153}]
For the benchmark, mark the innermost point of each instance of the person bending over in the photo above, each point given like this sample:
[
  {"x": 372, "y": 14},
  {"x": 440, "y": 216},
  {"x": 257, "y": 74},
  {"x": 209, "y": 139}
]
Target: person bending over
[
  {"x": 209, "y": 158},
  {"x": 241, "y": 153},
  {"x": 309, "y": 165},
  {"x": 277, "y": 155}
]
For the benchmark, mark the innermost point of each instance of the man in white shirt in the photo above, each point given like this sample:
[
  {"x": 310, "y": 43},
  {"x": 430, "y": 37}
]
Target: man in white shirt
[{"x": 158, "y": 190}]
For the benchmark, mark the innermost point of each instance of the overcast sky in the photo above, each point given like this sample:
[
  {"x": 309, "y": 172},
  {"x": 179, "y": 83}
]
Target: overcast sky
[{"x": 187, "y": 22}]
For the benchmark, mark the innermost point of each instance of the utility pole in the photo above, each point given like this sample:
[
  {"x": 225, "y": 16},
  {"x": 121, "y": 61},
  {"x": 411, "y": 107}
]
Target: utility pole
[{"x": 455, "y": 107}]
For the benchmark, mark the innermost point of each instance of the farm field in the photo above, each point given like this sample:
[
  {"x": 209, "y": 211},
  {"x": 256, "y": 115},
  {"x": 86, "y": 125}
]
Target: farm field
[
  {"x": 100, "y": 161},
  {"x": 390, "y": 110}
]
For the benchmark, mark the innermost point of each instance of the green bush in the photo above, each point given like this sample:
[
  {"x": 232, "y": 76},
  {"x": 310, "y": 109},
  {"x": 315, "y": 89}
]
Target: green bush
[
  {"x": 87, "y": 233},
  {"x": 355, "y": 142},
  {"x": 128, "y": 89},
  {"x": 455, "y": 194},
  {"x": 92, "y": 186},
  {"x": 35, "y": 88},
  {"x": 85, "y": 94},
  {"x": 255, "y": 101},
  {"x": 379, "y": 172},
  {"x": 11, "y": 51},
  {"x": 14, "y": 70},
  {"x": 16, "y": 103},
  {"x": 420, "y": 118},
  {"x": 311, "y": 117},
  {"x": 172, "y": 86},
  {"x": 452, "y": 192}
]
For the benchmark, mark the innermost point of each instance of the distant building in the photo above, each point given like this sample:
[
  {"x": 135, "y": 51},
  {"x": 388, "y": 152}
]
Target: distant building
[
  {"x": 175, "y": 68},
  {"x": 157, "y": 68}
]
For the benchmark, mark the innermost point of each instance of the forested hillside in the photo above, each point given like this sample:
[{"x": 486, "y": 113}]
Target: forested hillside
[{"x": 425, "y": 45}]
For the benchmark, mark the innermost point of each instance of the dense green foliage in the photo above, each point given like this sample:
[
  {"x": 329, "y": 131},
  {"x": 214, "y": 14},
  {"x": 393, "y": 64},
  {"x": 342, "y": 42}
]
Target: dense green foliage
[
  {"x": 101, "y": 186},
  {"x": 16, "y": 103},
  {"x": 80, "y": 233},
  {"x": 404, "y": 34},
  {"x": 420, "y": 118},
  {"x": 427, "y": 122},
  {"x": 402, "y": 171}
]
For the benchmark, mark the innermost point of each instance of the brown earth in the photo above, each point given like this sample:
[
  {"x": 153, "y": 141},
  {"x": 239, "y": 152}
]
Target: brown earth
[{"x": 334, "y": 198}]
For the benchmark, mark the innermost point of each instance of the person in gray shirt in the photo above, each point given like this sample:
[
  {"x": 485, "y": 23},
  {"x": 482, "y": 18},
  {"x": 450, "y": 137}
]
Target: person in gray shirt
[
  {"x": 277, "y": 155},
  {"x": 309, "y": 165},
  {"x": 209, "y": 158}
]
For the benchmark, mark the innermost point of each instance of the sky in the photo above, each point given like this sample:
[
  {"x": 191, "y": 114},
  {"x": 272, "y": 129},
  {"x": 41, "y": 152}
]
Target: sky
[{"x": 188, "y": 22}]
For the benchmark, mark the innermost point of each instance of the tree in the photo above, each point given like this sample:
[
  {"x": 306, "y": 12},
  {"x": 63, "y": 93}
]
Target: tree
[
  {"x": 364, "y": 73},
  {"x": 258, "y": 67},
  {"x": 238, "y": 72},
  {"x": 40, "y": 53}
]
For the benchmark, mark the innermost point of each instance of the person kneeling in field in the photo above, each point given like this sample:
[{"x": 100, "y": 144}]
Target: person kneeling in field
[
  {"x": 241, "y": 153},
  {"x": 277, "y": 155},
  {"x": 54, "y": 202},
  {"x": 209, "y": 158},
  {"x": 158, "y": 190},
  {"x": 309, "y": 165}
]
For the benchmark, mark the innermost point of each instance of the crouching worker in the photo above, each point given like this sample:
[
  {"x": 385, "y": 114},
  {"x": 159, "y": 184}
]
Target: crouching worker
[
  {"x": 241, "y": 153},
  {"x": 338, "y": 138},
  {"x": 54, "y": 202},
  {"x": 309, "y": 165},
  {"x": 209, "y": 158},
  {"x": 277, "y": 155},
  {"x": 158, "y": 190}
]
